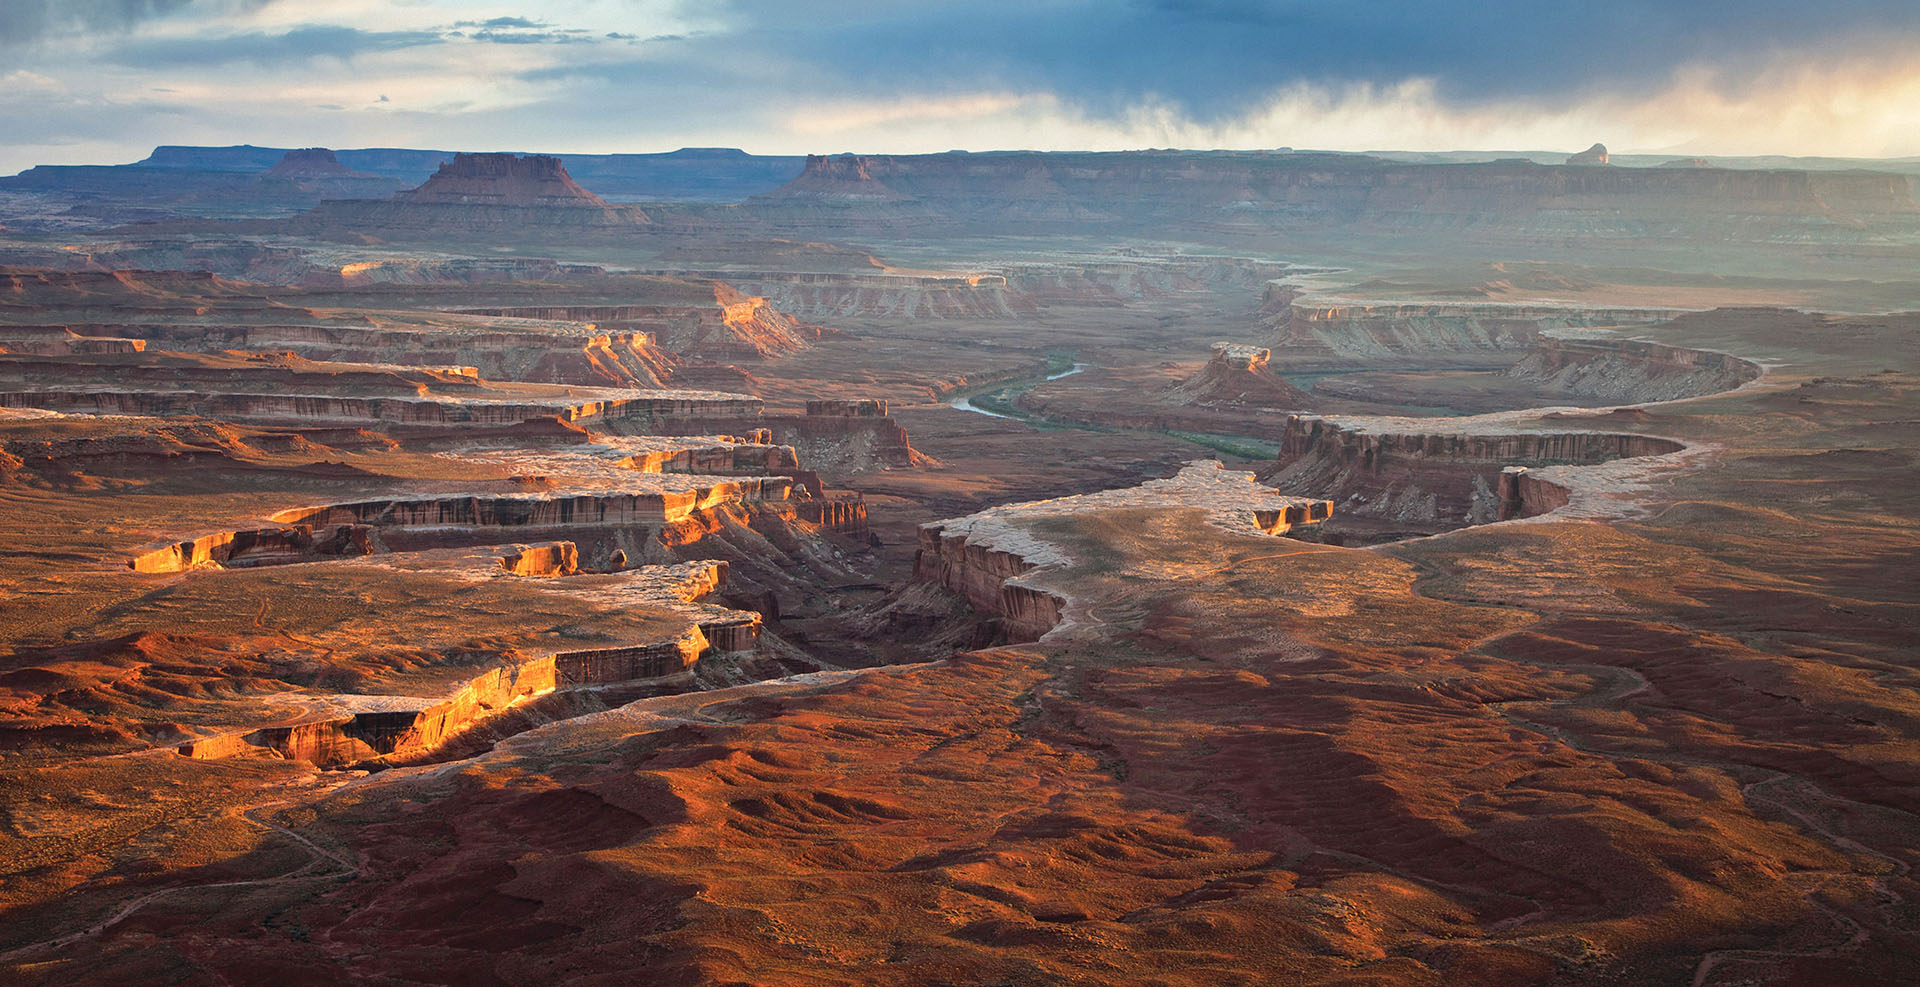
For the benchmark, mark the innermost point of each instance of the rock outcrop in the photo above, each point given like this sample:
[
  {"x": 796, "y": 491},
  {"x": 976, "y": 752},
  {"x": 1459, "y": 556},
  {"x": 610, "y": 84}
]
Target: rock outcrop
[
  {"x": 1239, "y": 374},
  {"x": 1595, "y": 155}
]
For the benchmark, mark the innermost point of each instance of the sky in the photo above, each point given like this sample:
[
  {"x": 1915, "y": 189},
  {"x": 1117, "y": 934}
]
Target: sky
[{"x": 103, "y": 81}]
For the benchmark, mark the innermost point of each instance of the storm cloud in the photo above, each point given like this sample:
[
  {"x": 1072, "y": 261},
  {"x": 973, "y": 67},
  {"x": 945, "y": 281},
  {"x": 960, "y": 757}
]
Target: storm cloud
[{"x": 786, "y": 76}]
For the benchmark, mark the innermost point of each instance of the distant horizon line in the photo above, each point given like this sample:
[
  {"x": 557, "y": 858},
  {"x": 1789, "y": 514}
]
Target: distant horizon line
[{"x": 1490, "y": 152}]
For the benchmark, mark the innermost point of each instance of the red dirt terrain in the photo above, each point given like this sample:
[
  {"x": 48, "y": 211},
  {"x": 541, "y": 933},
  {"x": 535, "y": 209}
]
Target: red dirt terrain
[{"x": 684, "y": 625}]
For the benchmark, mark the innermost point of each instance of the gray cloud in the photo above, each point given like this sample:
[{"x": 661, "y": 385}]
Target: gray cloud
[
  {"x": 343, "y": 43},
  {"x": 1214, "y": 58},
  {"x": 24, "y": 22}
]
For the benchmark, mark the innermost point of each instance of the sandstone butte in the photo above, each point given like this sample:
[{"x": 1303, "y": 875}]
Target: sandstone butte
[{"x": 891, "y": 578}]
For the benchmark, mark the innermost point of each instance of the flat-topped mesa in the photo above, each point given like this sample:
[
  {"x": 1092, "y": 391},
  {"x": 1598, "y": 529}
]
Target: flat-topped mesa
[
  {"x": 848, "y": 408},
  {"x": 372, "y": 729},
  {"x": 503, "y": 180},
  {"x": 531, "y": 196},
  {"x": 990, "y": 556},
  {"x": 312, "y": 162}
]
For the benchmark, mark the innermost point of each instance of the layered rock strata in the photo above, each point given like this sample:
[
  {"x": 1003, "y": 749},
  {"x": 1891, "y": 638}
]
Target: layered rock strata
[
  {"x": 356, "y": 729},
  {"x": 1453, "y": 472},
  {"x": 1401, "y": 334},
  {"x": 611, "y": 405},
  {"x": 1630, "y": 370},
  {"x": 736, "y": 326},
  {"x": 672, "y": 508}
]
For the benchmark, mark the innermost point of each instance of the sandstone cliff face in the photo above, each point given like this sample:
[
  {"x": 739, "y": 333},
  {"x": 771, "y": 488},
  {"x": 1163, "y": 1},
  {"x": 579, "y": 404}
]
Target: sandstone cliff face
[
  {"x": 653, "y": 507},
  {"x": 561, "y": 558},
  {"x": 735, "y": 327},
  {"x": 986, "y": 577},
  {"x": 991, "y": 557},
  {"x": 364, "y": 729},
  {"x": 262, "y": 546}
]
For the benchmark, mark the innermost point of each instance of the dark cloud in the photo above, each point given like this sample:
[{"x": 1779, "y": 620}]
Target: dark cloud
[
  {"x": 24, "y": 21},
  {"x": 342, "y": 43},
  {"x": 1216, "y": 58}
]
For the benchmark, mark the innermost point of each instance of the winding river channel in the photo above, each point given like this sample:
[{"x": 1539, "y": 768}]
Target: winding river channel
[{"x": 1013, "y": 390}]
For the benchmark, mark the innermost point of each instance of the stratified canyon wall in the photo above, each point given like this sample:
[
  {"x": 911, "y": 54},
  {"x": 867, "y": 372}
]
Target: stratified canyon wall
[
  {"x": 1442, "y": 473},
  {"x": 1224, "y": 191}
]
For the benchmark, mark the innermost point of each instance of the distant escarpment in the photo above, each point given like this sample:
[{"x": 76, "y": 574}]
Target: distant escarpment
[{"x": 1256, "y": 192}]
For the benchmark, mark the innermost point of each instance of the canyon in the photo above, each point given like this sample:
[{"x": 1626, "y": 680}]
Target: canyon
[{"x": 1128, "y": 567}]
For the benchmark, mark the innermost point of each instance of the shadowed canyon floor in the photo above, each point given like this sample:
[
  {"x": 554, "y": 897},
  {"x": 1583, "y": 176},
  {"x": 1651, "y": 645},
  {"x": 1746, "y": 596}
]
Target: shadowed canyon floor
[{"x": 660, "y": 613}]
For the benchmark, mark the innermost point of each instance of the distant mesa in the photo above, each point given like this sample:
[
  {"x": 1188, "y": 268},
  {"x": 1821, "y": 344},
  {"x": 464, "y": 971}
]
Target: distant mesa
[
  {"x": 1595, "y": 155},
  {"x": 844, "y": 178},
  {"x": 313, "y": 162},
  {"x": 1688, "y": 163},
  {"x": 503, "y": 180}
]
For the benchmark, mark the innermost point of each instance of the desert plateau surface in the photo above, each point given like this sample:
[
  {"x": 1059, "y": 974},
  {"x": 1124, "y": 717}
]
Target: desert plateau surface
[{"x": 1153, "y": 567}]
